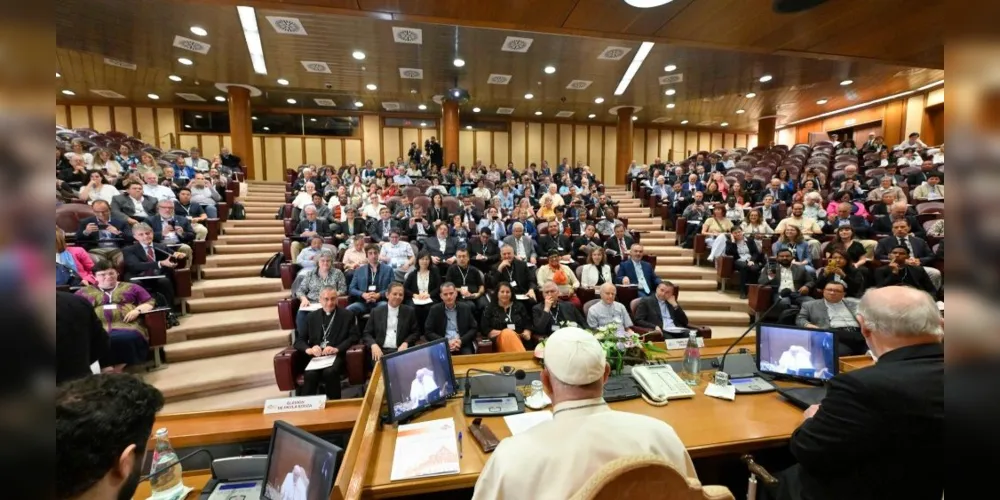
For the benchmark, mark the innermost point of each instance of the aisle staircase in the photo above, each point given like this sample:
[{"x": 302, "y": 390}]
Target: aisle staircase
[
  {"x": 726, "y": 313},
  {"x": 221, "y": 354}
]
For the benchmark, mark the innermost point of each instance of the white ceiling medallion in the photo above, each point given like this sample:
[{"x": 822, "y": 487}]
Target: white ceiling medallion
[
  {"x": 496, "y": 79},
  {"x": 325, "y": 102},
  {"x": 391, "y": 106},
  {"x": 408, "y": 35},
  {"x": 119, "y": 63},
  {"x": 316, "y": 66},
  {"x": 668, "y": 79},
  {"x": 579, "y": 84},
  {"x": 516, "y": 44},
  {"x": 614, "y": 53},
  {"x": 662, "y": 119},
  {"x": 287, "y": 25},
  {"x": 190, "y": 97},
  {"x": 505, "y": 111},
  {"x": 192, "y": 45},
  {"x": 564, "y": 114},
  {"x": 411, "y": 73},
  {"x": 110, "y": 94}
]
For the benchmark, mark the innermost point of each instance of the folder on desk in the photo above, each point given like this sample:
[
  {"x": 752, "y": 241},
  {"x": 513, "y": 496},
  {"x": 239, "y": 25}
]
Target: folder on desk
[{"x": 425, "y": 449}]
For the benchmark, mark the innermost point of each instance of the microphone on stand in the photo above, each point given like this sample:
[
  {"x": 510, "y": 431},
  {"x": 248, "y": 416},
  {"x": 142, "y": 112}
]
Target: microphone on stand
[{"x": 781, "y": 294}]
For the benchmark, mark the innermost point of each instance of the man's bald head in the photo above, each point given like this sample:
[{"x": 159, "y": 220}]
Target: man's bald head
[{"x": 898, "y": 316}]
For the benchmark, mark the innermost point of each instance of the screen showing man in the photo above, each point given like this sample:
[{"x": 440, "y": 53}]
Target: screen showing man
[
  {"x": 299, "y": 468},
  {"x": 797, "y": 352},
  {"x": 418, "y": 377}
]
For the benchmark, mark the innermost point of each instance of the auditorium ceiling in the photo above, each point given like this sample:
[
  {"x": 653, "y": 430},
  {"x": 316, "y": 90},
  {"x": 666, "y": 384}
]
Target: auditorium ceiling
[{"x": 132, "y": 49}]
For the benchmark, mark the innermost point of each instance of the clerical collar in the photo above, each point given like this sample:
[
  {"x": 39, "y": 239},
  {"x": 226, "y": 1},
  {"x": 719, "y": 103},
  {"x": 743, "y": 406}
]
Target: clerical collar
[{"x": 329, "y": 313}]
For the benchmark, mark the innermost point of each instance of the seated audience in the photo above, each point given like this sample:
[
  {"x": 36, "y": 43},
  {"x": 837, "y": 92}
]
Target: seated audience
[
  {"x": 635, "y": 270},
  {"x": 194, "y": 213},
  {"x": 453, "y": 320},
  {"x": 901, "y": 271},
  {"x": 97, "y": 189},
  {"x": 898, "y": 211},
  {"x": 398, "y": 254},
  {"x": 748, "y": 259},
  {"x": 886, "y": 186},
  {"x": 791, "y": 238},
  {"x": 422, "y": 285},
  {"x": 554, "y": 241},
  {"x": 560, "y": 274},
  {"x": 133, "y": 206},
  {"x": 716, "y": 225},
  {"x": 468, "y": 280},
  {"x": 441, "y": 247},
  {"x": 596, "y": 270},
  {"x": 620, "y": 243},
  {"x": 920, "y": 252},
  {"x": 369, "y": 283},
  {"x": 506, "y": 322},
  {"x": 926, "y": 169},
  {"x": 153, "y": 189},
  {"x": 171, "y": 230},
  {"x": 515, "y": 272},
  {"x": 349, "y": 227},
  {"x": 755, "y": 226},
  {"x": 151, "y": 261},
  {"x": 607, "y": 311},
  {"x": 587, "y": 242},
  {"x": 492, "y": 222},
  {"x": 791, "y": 282},
  {"x": 606, "y": 225},
  {"x": 840, "y": 268},
  {"x": 836, "y": 314},
  {"x": 524, "y": 247},
  {"x": 854, "y": 249},
  {"x": 552, "y": 313},
  {"x": 327, "y": 331},
  {"x": 307, "y": 257},
  {"x": 484, "y": 249},
  {"x": 74, "y": 260},
  {"x": 380, "y": 229},
  {"x": 929, "y": 190},
  {"x": 313, "y": 282},
  {"x": 661, "y": 312},
  {"x": 843, "y": 218},
  {"x": 857, "y": 206},
  {"x": 118, "y": 306},
  {"x": 104, "y": 230}
]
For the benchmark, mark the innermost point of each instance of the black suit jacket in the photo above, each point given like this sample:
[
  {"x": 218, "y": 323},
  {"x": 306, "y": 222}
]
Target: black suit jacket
[
  {"x": 137, "y": 263},
  {"x": 406, "y": 322},
  {"x": 517, "y": 272},
  {"x": 781, "y": 196},
  {"x": 547, "y": 243},
  {"x": 157, "y": 224},
  {"x": 94, "y": 238},
  {"x": 920, "y": 249},
  {"x": 800, "y": 278},
  {"x": 883, "y": 225},
  {"x": 543, "y": 322},
  {"x": 913, "y": 276},
  {"x": 378, "y": 230},
  {"x": 860, "y": 225},
  {"x": 612, "y": 244},
  {"x": 80, "y": 335},
  {"x": 412, "y": 230},
  {"x": 436, "y": 324},
  {"x": 583, "y": 241},
  {"x": 343, "y": 334},
  {"x": 122, "y": 207},
  {"x": 647, "y": 314},
  {"x": 433, "y": 283},
  {"x": 875, "y": 432},
  {"x": 358, "y": 224},
  {"x": 916, "y": 179},
  {"x": 434, "y": 214},
  {"x": 491, "y": 250},
  {"x": 322, "y": 227},
  {"x": 755, "y": 254}
]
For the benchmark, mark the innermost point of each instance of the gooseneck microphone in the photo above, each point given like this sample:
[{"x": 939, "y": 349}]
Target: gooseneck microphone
[
  {"x": 170, "y": 465},
  {"x": 783, "y": 293}
]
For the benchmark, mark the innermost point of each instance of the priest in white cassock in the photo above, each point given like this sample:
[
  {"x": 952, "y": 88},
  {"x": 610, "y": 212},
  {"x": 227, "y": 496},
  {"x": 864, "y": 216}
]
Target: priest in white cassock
[{"x": 554, "y": 459}]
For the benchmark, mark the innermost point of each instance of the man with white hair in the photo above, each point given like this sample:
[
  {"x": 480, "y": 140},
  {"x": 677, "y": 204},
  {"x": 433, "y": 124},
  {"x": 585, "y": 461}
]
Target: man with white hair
[
  {"x": 524, "y": 247},
  {"x": 608, "y": 311},
  {"x": 872, "y": 434},
  {"x": 555, "y": 458},
  {"x": 153, "y": 189},
  {"x": 552, "y": 194}
]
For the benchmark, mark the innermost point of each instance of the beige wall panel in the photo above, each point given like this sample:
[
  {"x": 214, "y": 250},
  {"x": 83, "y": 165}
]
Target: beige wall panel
[
  {"x": 123, "y": 120},
  {"x": 752, "y": 141},
  {"x": 78, "y": 115},
  {"x": 534, "y": 138},
  {"x": 274, "y": 160},
  {"x": 372, "y": 140},
  {"x": 352, "y": 152},
  {"x": 501, "y": 149},
  {"x": 665, "y": 144},
  {"x": 935, "y": 97},
  {"x": 517, "y": 145},
  {"x": 741, "y": 140},
  {"x": 101, "y": 118},
  {"x": 210, "y": 145},
  {"x": 144, "y": 124},
  {"x": 61, "y": 118},
  {"x": 484, "y": 147},
  {"x": 581, "y": 149},
  {"x": 188, "y": 141},
  {"x": 566, "y": 142},
  {"x": 704, "y": 141},
  {"x": 638, "y": 146},
  {"x": 410, "y": 135},
  {"x": 390, "y": 144},
  {"x": 227, "y": 142},
  {"x": 914, "y": 115},
  {"x": 690, "y": 144},
  {"x": 597, "y": 151},
  {"x": 652, "y": 144},
  {"x": 786, "y": 136},
  {"x": 334, "y": 152},
  {"x": 550, "y": 143},
  {"x": 727, "y": 141},
  {"x": 716, "y": 141},
  {"x": 465, "y": 140},
  {"x": 314, "y": 150},
  {"x": 258, "y": 157},
  {"x": 610, "y": 147},
  {"x": 293, "y": 152},
  {"x": 167, "y": 127}
]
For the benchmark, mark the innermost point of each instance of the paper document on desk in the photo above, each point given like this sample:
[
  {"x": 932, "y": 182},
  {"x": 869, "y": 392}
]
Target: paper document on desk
[
  {"x": 313, "y": 306},
  {"x": 321, "y": 362},
  {"x": 425, "y": 449},
  {"x": 523, "y": 421},
  {"x": 423, "y": 302}
]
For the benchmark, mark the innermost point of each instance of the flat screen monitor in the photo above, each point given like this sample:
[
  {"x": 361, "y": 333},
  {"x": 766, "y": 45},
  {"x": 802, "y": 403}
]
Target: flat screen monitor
[
  {"x": 796, "y": 352},
  {"x": 417, "y": 378},
  {"x": 300, "y": 465}
]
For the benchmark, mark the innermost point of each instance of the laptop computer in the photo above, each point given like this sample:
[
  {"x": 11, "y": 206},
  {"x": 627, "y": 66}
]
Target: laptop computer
[{"x": 802, "y": 354}]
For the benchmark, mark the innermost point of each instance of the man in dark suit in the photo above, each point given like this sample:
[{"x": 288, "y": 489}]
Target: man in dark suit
[
  {"x": 898, "y": 211},
  {"x": 370, "y": 283},
  {"x": 791, "y": 282},
  {"x": 636, "y": 271},
  {"x": 329, "y": 331},
  {"x": 468, "y": 280},
  {"x": 103, "y": 230},
  {"x": 693, "y": 184},
  {"x": 417, "y": 226},
  {"x": 553, "y": 240},
  {"x": 80, "y": 336},
  {"x": 381, "y": 228},
  {"x": 172, "y": 230},
  {"x": 836, "y": 314},
  {"x": 484, "y": 250},
  {"x": 926, "y": 168},
  {"x": 469, "y": 212},
  {"x": 391, "y": 327},
  {"x": 774, "y": 189},
  {"x": 453, "y": 320},
  {"x": 133, "y": 206},
  {"x": 311, "y": 225},
  {"x": 350, "y": 226},
  {"x": 900, "y": 272},
  {"x": 620, "y": 243},
  {"x": 661, "y": 311},
  {"x": 441, "y": 246},
  {"x": 515, "y": 272},
  {"x": 147, "y": 260},
  {"x": 551, "y": 313},
  {"x": 920, "y": 252},
  {"x": 871, "y": 436},
  {"x": 843, "y": 217},
  {"x": 587, "y": 242},
  {"x": 748, "y": 260},
  {"x": 404, "y": 210}
]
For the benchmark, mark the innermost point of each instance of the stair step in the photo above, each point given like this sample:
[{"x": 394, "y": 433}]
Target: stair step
[
  {"x": 220, "y": 374},
  {"x": 660, "y": 234},
  {"x": 234, "y": 286},
  {"x": 695, "y": 285},
  {"x": 720, "y": 318},
  {"x": 238, "y": 239},
  {"x": 273, "y": 206},
  {"x": 220, "y": 346},
  {"x": 245, "y": 259},
  {"x": 669, "y": 252},
  {"x": 685, "y": 272},
  {"x": 713, "y": 300},
  {"x": 220, "y": 273},
  {"x": 236, "y": 302},
  {"x": 272, "y": 222},
  {"x": 276, "y": 198},
  {"x": 251, "y": 248},
  {"x": 270, "y": 210},
  {"x": 268, "y": 215},
  {"x": 223, "y": 323},
  {"x": 253, "y": 230},
  {"x": 674, "y": 260},
  {"x": 253, "y": 397}
]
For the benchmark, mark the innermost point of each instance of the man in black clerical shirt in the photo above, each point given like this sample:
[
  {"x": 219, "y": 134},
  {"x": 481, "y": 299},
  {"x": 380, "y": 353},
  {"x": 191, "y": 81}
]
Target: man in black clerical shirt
[
  {"x": 468, "y": 280},
  {"x": 329, "y": 331},
  {"x": 552, "y": 314}
]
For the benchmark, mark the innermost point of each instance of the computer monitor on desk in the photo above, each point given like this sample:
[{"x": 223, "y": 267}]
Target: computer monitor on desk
[
  {"x": 801, "y": 353},
  {"x": 417, "y": 378},
  {"x": 299, "y": 465}
]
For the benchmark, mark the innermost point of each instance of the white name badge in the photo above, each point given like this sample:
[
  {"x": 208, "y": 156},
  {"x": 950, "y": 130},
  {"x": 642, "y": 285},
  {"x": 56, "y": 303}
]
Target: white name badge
[
  {"x": 110, "y": 307},
  {"x": 464, "y": 289},
  {"x": 513, "y": 283},
  {"x": 511, "y": 326},
  {"x": 302, "y": 403},
  {"x": 371, "y": 288}
]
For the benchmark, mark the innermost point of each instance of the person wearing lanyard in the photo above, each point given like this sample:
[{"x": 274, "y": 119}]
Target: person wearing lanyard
[
  {"x": 468, "y": 279},
  {"x": 193, "y": 211},
  {"x": 369, "y": 283},
  {"x": 391, "y": 327},
  {"x": 583, "y": 435},
  {"x": 637, "y": 271},
  {"x": 552, "y": 314},
  {"x": 118, "y": 306},
  {"x": 329, "y": 331},
  {"x": 515, "y": 272},
  {"x": 506, "y": 322}
]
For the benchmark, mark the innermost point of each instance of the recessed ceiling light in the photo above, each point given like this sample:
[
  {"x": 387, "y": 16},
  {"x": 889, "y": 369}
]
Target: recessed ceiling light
[
  {"x": 740, "y": 111},
  {"x": 724, "y": 124},
  {"x": 765, "y": 78},
  {"x": 267, "y": 128},
  {"x": 846, "y": 82},
  {"x": 357, "y": 54},
  {"x": 251, "y": 35},
  {"x": 684, "y": 122},
  {"x": 198, "y": 30},
  {"x": 598, "y": 100},
  {"x": 751, "y": 95},
  {"x": 529, "y": 96},
  {"x": 187, "y": 126},
  {"x": 458, "y": 63},
  {"x": 538, "y": 113},
  {"x": 174, "y": 78},
  {"x": 670, "y": 92},
  {"x": 468, "y": 127},
  {"x": 69, "y": 92},
  {"x": 671, "y": 106},
  {"x": 476, "y": 110},
  {"x": 198, "y": 116},
  {"x": 185, "y": 61},
  {"x": 291, "y": 101},
  {"x": 423, "y": 124},
  {"x": 413, "y": 91},
  {"x": 550, "y": 69},
  {"x": 58, "y": 75},
  {"x": 670, "y": 67},
  {"x": 153, "y": 96},
  {"x": 634, "y": 118},
  {"x": 282, "y": 81},
  {"x": 822, "y": 102},
  {"x": 371, "y": 86},
  {"x": 633, "y": 67},
  {"x": 358, "y": 104},
  {"x": 220, "y": 98},
  {"x": 592, "y": 115},
  {"x": 422, "y": 107},
  {"x": 312, "y": 119},
  {"x": 646, "y": 4},
  {"x": 253, "y": 117}
]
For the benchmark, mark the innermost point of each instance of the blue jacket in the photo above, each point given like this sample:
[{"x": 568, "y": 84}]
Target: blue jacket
[
  {"x": 627, "y": 270},
  {"x": 362, "y": 275},
  {"x": 686, "y": 187}
]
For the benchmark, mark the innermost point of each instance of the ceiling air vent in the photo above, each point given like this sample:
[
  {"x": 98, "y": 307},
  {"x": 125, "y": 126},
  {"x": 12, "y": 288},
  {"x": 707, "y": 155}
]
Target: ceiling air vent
[
  {"x": 579, "y": 84},
  {"x": 119, "y": 63},
  {"x": 505, "y": 111},
  {"x": 408, "y": 35},
  {"x": 411, "y": 73},
  {"x": 564, "y": 114},
  {"x": 496, "y": 79},
  {"x": 614, "y": 53},
  {"x": 192, "y": 45},
  {"x": 316, "y": 66},
  {"x": 667, "y": 79},
  {"x": 110, "y": 94},
  {"x": 516, "y": 44},
  {"x": 325, "y": 102},
  {"x": 391, "y": 106},
  {"x": 287, "y": 25},
  {"x": 190, "y": 97}
]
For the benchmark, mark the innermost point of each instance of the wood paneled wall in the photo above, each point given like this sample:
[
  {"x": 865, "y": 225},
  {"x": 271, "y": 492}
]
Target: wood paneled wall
[{"x": 153, "y": 125}]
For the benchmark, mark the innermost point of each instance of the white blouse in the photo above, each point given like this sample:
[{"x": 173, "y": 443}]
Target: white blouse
[{"x": 589, "y": 274}]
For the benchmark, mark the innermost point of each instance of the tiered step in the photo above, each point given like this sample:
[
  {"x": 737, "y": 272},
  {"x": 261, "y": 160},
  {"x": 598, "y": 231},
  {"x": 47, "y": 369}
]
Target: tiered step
[
  {"x": 216, "y": 375},
  {"x": 223, "y": 323},
  {"x": 230, "y": 400}
]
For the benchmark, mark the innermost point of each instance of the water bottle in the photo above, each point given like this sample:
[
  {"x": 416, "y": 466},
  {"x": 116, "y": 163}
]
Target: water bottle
[
  {"x": 692, "y": 361},
  {"x": 164, "y": 457}
]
